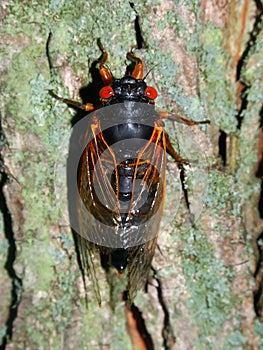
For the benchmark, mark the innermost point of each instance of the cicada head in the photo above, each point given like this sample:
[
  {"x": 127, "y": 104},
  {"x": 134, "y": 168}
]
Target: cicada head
[{"x": 127, "y": 89}]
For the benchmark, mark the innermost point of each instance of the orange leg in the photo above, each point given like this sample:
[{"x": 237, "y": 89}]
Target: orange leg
[
  {"x": 106, "y": 77},
  {"x": 105, "y": 74},
  {"x": 138, "y": 69},
  {"x": 86, "y": 107},
  {"x": 169, "y": 148},
  {"x": 166, "y": 115}
]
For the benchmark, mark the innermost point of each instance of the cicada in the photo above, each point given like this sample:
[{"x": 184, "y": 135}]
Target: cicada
[{"x": 117, "y": 176}]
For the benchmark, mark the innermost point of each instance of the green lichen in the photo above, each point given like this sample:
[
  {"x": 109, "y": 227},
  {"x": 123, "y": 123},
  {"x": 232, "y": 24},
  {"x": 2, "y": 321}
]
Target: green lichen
[
  {"x": 217, "y": 93},
  {"x": 208, "y": 281},
  {"x": 43, "y": 124}
]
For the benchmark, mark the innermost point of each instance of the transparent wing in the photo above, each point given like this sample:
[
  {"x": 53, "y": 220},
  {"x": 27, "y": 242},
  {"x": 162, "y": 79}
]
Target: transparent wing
[
  {"x": 101, "y": 213},
  {"x": 85, "y": 250},
  {"x": 96, "y": 167},
  {"x": 140, "y": 258}
]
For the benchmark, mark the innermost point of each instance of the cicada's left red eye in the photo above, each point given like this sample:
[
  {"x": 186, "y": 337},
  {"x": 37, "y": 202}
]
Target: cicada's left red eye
[
  {"x": 106, "y": 92},
  {"x": 151, "y": 93}
]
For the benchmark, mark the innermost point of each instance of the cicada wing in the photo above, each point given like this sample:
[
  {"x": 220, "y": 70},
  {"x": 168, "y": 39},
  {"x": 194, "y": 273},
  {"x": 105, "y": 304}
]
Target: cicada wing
[
  {"x": 140, "y": 258},
  {"x": 148, "y": 190},
  {"x": 99, "y": 207},
  {"x": 85, "y": 250},
  {"x": 96, "y": 167},
  {"x": 100, "y": 215}
]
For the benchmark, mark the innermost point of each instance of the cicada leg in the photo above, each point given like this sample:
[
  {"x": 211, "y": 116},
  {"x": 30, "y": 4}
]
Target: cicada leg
[
  {"x": 180, "y": 163},
  {"x": 106, "y": 76},
  {"x": 166, "y": 115},
  {"x": 170, "y": 149},
  {"x": 178, "y": 159},
  {"x": 86, "y": 107},
  {"x": 138, "y": 69}
]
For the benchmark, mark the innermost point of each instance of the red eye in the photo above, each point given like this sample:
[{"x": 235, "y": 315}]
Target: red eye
[
  {"x": 106, "y": 92},
  {"x": 150, "y": 92}
]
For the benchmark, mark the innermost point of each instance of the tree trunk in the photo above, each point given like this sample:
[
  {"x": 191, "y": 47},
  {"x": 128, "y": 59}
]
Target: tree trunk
[{"x": 205, "y": 286}]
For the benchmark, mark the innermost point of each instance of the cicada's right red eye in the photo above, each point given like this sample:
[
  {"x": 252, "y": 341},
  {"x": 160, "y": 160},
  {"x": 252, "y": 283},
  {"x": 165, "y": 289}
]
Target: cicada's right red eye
[
  {"x": 106, "y": 92},
  {"x": 150, "y": 92}
]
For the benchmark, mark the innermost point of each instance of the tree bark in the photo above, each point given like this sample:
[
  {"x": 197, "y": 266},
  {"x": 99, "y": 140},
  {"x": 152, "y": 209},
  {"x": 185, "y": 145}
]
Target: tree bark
[{"x": 205, "y": 286}]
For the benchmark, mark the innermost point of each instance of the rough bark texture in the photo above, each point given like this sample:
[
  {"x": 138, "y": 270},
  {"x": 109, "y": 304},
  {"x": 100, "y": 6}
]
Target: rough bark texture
[{"x": 205, "y": 288}]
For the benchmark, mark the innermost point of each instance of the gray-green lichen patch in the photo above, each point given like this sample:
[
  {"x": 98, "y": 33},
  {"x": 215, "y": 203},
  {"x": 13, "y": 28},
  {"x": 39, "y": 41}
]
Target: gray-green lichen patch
[{"x": 188, "y": 58}]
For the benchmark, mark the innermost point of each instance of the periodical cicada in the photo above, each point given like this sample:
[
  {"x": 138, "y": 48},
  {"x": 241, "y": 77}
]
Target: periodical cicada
[{"x": 117, "y": 176}]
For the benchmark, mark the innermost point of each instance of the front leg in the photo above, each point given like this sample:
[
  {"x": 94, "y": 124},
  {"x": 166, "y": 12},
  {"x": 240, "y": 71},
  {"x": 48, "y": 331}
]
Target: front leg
[
  {"x": 170, "y": 149},
  {"x": 86, "y": 107},
  {"x": 105, "y": 73},
  {"x": 137, "y": 72},
  {"x": 106, "y": 77}
]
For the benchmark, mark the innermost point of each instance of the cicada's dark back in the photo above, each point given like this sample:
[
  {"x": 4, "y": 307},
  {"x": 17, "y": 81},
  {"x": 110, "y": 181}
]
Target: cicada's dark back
[
  {"x": 121, "y": 184},
  {"x": 120, "y": 177}
]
